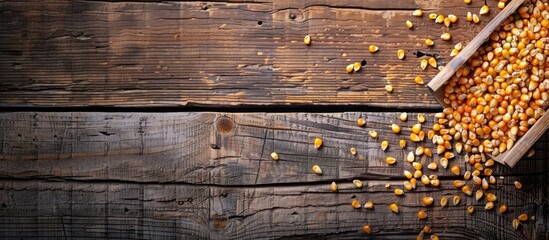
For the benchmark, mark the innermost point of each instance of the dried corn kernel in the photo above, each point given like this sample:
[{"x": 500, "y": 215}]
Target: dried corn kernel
[
  {"x": 423, "y": 64},
  {"x": 357, "y": 183},
  {"x": 489, "y": 206},
  {"x": 361, "y": 122},
  {"x": 446, "y": 36},
  {"x": 502, "y": 209},
  {"x": 417, "y": 13},
  {"x": 443, "y": 202},
  {"x": 432, "y": 166},
  {"x": 349, "y": 68},
  {"x": 421, "y": 214},
  {"x": 410, "y": 157},
  {"x": 420, "y": 118},
  {"x": 395, "y": 128},
  {"x": 433, "y": 16},
  {"x": 333, "y": 187},
  {"x": 523, "y": 217},
  {"x": 384, "y": 145},
  {"x": 408, "y": 25},
  {"x": 456, "y": 200},
  {"x": 373, "y": 48},
  {"x": 390, "y": 160},
  {"x": 518, "y": 185},
  {"x": 389, "y": 88},
  {"x": 429, "y": 42},
  {"x": 373, "y": 134},
  {"x": 274, "y": 156},
  {"x": 357, "y": 66},
  {"x": 369, "y": 205},
  {"x": 476, "y": 19},
  {"x": 467, "y": 1},
  {"x": 317, "y": 170},
  {"x": 433, "y": 62},
  {"x": 453, "y": 18},
  {"x": 419, "y": 80},
  {"x": 484, "y": 10},
  {"x": 356, "y": 204},
  {"x": 393, "y": 207},
  {"x": 353, "y": 150},
  {"x": 403, "y": 116},
  {"x": 427, "y": 200},
  {"x": 366, "y": 229},
  {"x": 469, "y": 17},
  {"x": 470, "y": 209},
  {"x": 317, "y": 143},
  {"x": 399, "y": 192},
  {"x": 402, "y": 143},
  {"x": 307, "y": 40}
]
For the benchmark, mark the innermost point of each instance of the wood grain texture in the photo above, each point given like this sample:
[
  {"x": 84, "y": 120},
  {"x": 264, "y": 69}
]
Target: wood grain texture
[
  {"x": 210, "y": 176},
  {"x": 220, "y": 53}
]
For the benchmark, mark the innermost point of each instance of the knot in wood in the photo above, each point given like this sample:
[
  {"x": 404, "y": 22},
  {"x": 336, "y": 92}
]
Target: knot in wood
[{"x": 224, "y": 125}]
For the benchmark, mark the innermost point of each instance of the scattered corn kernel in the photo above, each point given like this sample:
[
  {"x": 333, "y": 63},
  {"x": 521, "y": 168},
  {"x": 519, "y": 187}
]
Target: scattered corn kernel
[
  {"x": 393, "y": 207},
  {"x": 417, "y": 165},
  {"x": 432, "y": 166},
  {"x": 401, "y": 54},
  {"x": 456, "y": 200},
  {"x": 420, "y": 118},
  {"x": 317, "y": 170},
  {"x": 373, "y": 48},
  {"x": 349, "y": 68},
  {"x": 433, "y": 16},
  {"x": 447, "y": 22},
  {"x": 523, "y": 217},
  {"x": 353, "y": 150},
  {"x": 443, "y": 202},
  {"x": 501, "y": 5},
  {"x": 419, "y": 151},
  {"x": 317, "y": 143},
  {"x": 369, "y": 205},
  {"x": 476, "y": 19},
  {"x": 408, "y": 174},
  {"x": 425, "y": 179},
  {"x": 444, "y": 162},
  {"x": 356, "y": 204},
  {"x": 469, "y": 17},
  {"x": 440, "y": 19},
  {"x": 426, "y": 229},
  {"x": 357, "y": 183},
  {"x": 489, "y": 206},
  {"x": 357, "y": 66},
  {"x": 387, "y": 185},
  {"x": 307, "y": 40},
  {"x": 446, "y": 36},
  {"x": 518, "y": 185},
  {"x": 434, "y": 237},
  {"x": 399, "y": 192},
  {"x": 274, "y": 156},
  {"x": 395, "y": 128},
  {"x": 366, "y": 229},
  {"x": 467, "y": 190},
  {"x": 479, "y": 194},
  {"x": 389, "y": 88},
  {"x": 333, "y": 187},
  {"x": 470, "y": 209},
  {"x": 402, "y": 143},
  {"x": 427, "y": 200},
  {"x": 467, "y": 1},
  {"x": 410, "y": 157},
  {"x": 417, "y": 13},
  {"x": 453, "y": 18},
  {"x": 373, "y": 134},
  {"x": 455, "y": 170},
  {"x": 361, "y": 122},
  {"x": 421, "y": 214},
  {"x": 423, "y": 64},
  {"x": 490, "y": 197},
  {"x": 433, "y": 62},
  {"x": 458, "y": 183},
  {"x": 384, "y": 145},
  {"x": 531, "y": 153},
  {"x": 502, "y": 208},
  {"x": 419, "y": 80},
  {"x": 484, "y": 10},
  {"x": 409, "y": 25},
  {"x": 429, "y": 42}
]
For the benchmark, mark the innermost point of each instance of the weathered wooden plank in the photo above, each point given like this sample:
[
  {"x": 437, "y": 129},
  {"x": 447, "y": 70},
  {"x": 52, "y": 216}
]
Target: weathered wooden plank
[
  {"x": 220, "y": 53},
  {"x": 133, "y": 175}
]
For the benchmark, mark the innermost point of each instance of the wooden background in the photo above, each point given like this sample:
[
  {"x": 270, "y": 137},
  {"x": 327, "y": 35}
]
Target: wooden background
[{"x": 156, "y": 120}]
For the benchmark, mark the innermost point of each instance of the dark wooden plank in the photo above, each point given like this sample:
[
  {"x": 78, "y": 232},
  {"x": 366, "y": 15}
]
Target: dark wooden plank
[
  {"x": 100, "y": 53},
  {"x": 128, "y": 175}
]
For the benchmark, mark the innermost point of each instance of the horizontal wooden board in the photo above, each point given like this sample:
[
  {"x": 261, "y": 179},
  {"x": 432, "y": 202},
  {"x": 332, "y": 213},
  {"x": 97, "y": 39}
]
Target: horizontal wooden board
[
  {"x": 209, "y": 175},
  {"x": 221, "y": 53}
]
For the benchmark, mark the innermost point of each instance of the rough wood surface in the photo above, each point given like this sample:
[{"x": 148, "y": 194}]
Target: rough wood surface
[
  {"x": 221, "y": 53},
  {"x": 209, "y": 175}
]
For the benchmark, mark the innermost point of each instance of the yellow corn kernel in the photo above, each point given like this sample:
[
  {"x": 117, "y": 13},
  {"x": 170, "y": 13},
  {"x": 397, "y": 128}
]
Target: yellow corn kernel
[
  {"x": 449, "y": 155},
  {"x": 502, "y": 208},
  {"x": 349, "y": 68},
  {"x": 418, "y": 174},
  {"x": 408, "y": 174},
  {"x": 455, "y": 170},
  {"x": 317, "y": 170},
  {"x": 366, "y": 229},
  {"x": 423, "y": 64},
  {"x": 373, "y": 48},
  {"x": 427, "y": 200},
  {"x": 357, "y": 183},
  {"x": 373, "y": 134},
  {"x": 467, "y": 175},
  {"x": 531, "y": 153},
  {"x": 393, "y": 207},
  {"x": 317, "y": 143},
  {"x": 433, "y": 16},
  {"x": 361, "y": 122},
  {"x": 387, "y": 185},
  {"x": 410, "y": 157},
  {"x": 390, "y": 160},
  {"x": 489, "y": 206},
  {"x": 490, "y": 197},
  {"x": 426, "y": 229},
  {"x": 369, "y": 205},
  {"x": 476, "y": 19},
  {"x": 395, "y": 128},
  {"x": 353, "y": 150},
  {"x": 467, "y": 1},
  {"x": 515, "y": 223},
  {"x": 501, "y": 5},
  {"x": 458, "y": 147},
  {"x": 453, "y": 18},
  {"x": 307, "y": 40},
  {"x": 416, "y": 128},
  {"x": 523, "y": 217},
  {"x": 407, "y": 185},
  {"x": 399, "y": 192},
  {"x": 446, "y": 36},
  {"x": 484, "y": 10},
  {"x": 454, "y": 52},
  {"x": 417, "y": 13},
  {"x": 456, "y": 200},
  {"x": 357, "y": 66},
  {"x": 433, "y": 62},
  {"x": 435, "y": 182},
  {"x": 485, "y": 184},
  {"x": 443, "y": 202},
  {"x": 427, "y": 151},
  {"x": 419, "y": 80},
  {"x": 356, "y": 204},
  {"x": 432, "y": 166},
  {"x": 444, "y": 162},
  {"x": 469, "y": 17},
  {"x": 518, "y": 185},
  {"x": 409, "y": 25},
  {"x": 402, "y": 143},
  {"x": 384, "y": 145},
  {"x": 274, "y": 156},
  {"x": 333, "y": 187},
  {"x": 419, "y": 151},
  {"x": 425, "y": 180},
  {"x": 440, "y": 19},
  {"x": 458, "y": 183},
  {"x": 389, "y": 88},
  {"x": 420, "y": 118},
  {"x": 470, "y": 209},
  {"x": 414, "y": 137},
  {"x": 458, "y": 46},
  {"x": 421, "y": 214},
  {"x": 429, "y": 42},
  {"x": 403, "y": 117},
  {"x": 479, "y": 194},
  {"x": 447, "y": 22},
  {"x": 417, "y": 165}
]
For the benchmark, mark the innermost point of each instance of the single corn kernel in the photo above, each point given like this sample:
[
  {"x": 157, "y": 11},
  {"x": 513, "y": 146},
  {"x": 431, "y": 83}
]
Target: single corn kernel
[
  {"x": 459, "y": 147},
  {"x": 410, "y": 157},
  {"x": 433, "y": 62},
  {"x": 426, "y": 229},
  {"x": 274, "y": 156},
  {"x": 403, "y": 116},
  {"x": 469, "y": 17},
  {"x": 389, "y": 88},
  {"x": 353, "y": 150},
  {"x": 429, "y": 42},
  {"x": 418, "y": 174},
  {"x": 373, "y": 134},
  {"x": 373, "y": 48},
  {"x": 399, "y": 192},
  {"x": 467, "y": 190},
  {"x": 467, "y": 175},
  {"x": 518, "y": 185},
  {"x": 356, "y": 204},
  {"x": 384, "y": 145},
  {"x": 407, "y": 185},
  {"x": 490, "y": 197},
  {"x": 357, "y": 183},
  {"x": 515, "y": 223},
  {"x": 432, "y": 166},
  {"x": 409, "y": 25},
  {"x": 447, "y": 22},
  {"x": 425, "y": 179},
  {"x": 419, "y": 151},
  {"x": 420, "y": 118},
  {"x": 415, "y": 138},
  {"x": 489, "y": 206},
  {"x": 317, "y": 170},
  {"x": 333, "y": 187},
  {"x": 446, "y": 36},
  {"x": 393, "y": 207},
  {"x": 454, "y": 52},
  {"x": 444, "y": 162},
  {"x": 427, "y": 200},
  {"x": 485, "y": 184},
  {"x": 361, "y": 122},
  {"x": 484, "y": 10},
  {"x": 435, "y": 182},
  {"x": 455, "y": 170},
  {"x": 387, "y": 185},
  {"x": 416, "y": 128},
  {"x": 307, "y": 40},
  {"x": 357, "y": 66},
  {"x": 421, "y": 214},
  {"x": 501, "y": 5},
  {"x": 458, "y": 183},
  {"x": 449, "y": 155},
  {"x": 523, "y": 217},
  {"x": 440, "y": 19},
  {"x": 369, "y": 205},
  {"x": 531, "y": 153},
  {"x": 395, "y": 128},
  {"x": 408, "y": 174},
  {"x": 419, "y": 80},
  {"x": 443, "y": 202},
  {"x": 476, "y": 19},
  {"x": 456, "y": 200},
  {"x": 417, "y": 13},
  {"x": 417, "y": 165},
  {"x": 366, "y": 229},
  {"x": 458, "y": 46},
  {"x": 423, "y": 64},
  {"x": 453, "y": 18},
  {"x": 427, "y": 151},
  {"x": 479, "y": 194},
  {"x": 317, "y": 143},
  {"x": 470, "y": 209},
  {"x": 390, "y": 160},
  {"x": 402, "y": 143},
  {"x": 434, "y": 237},
  {"x": 433, "y": 16},
  {"x": 349, "y": 68},
  {"x": 467, "y": 1},
  {"x": 502, "y": 208}
]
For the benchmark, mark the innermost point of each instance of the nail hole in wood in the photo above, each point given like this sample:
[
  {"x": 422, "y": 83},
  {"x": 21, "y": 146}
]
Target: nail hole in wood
[
  {"x": 204, "y": 7},
  {"x": 259, "y": 23},
  {"x": 292, "y": 16}
]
